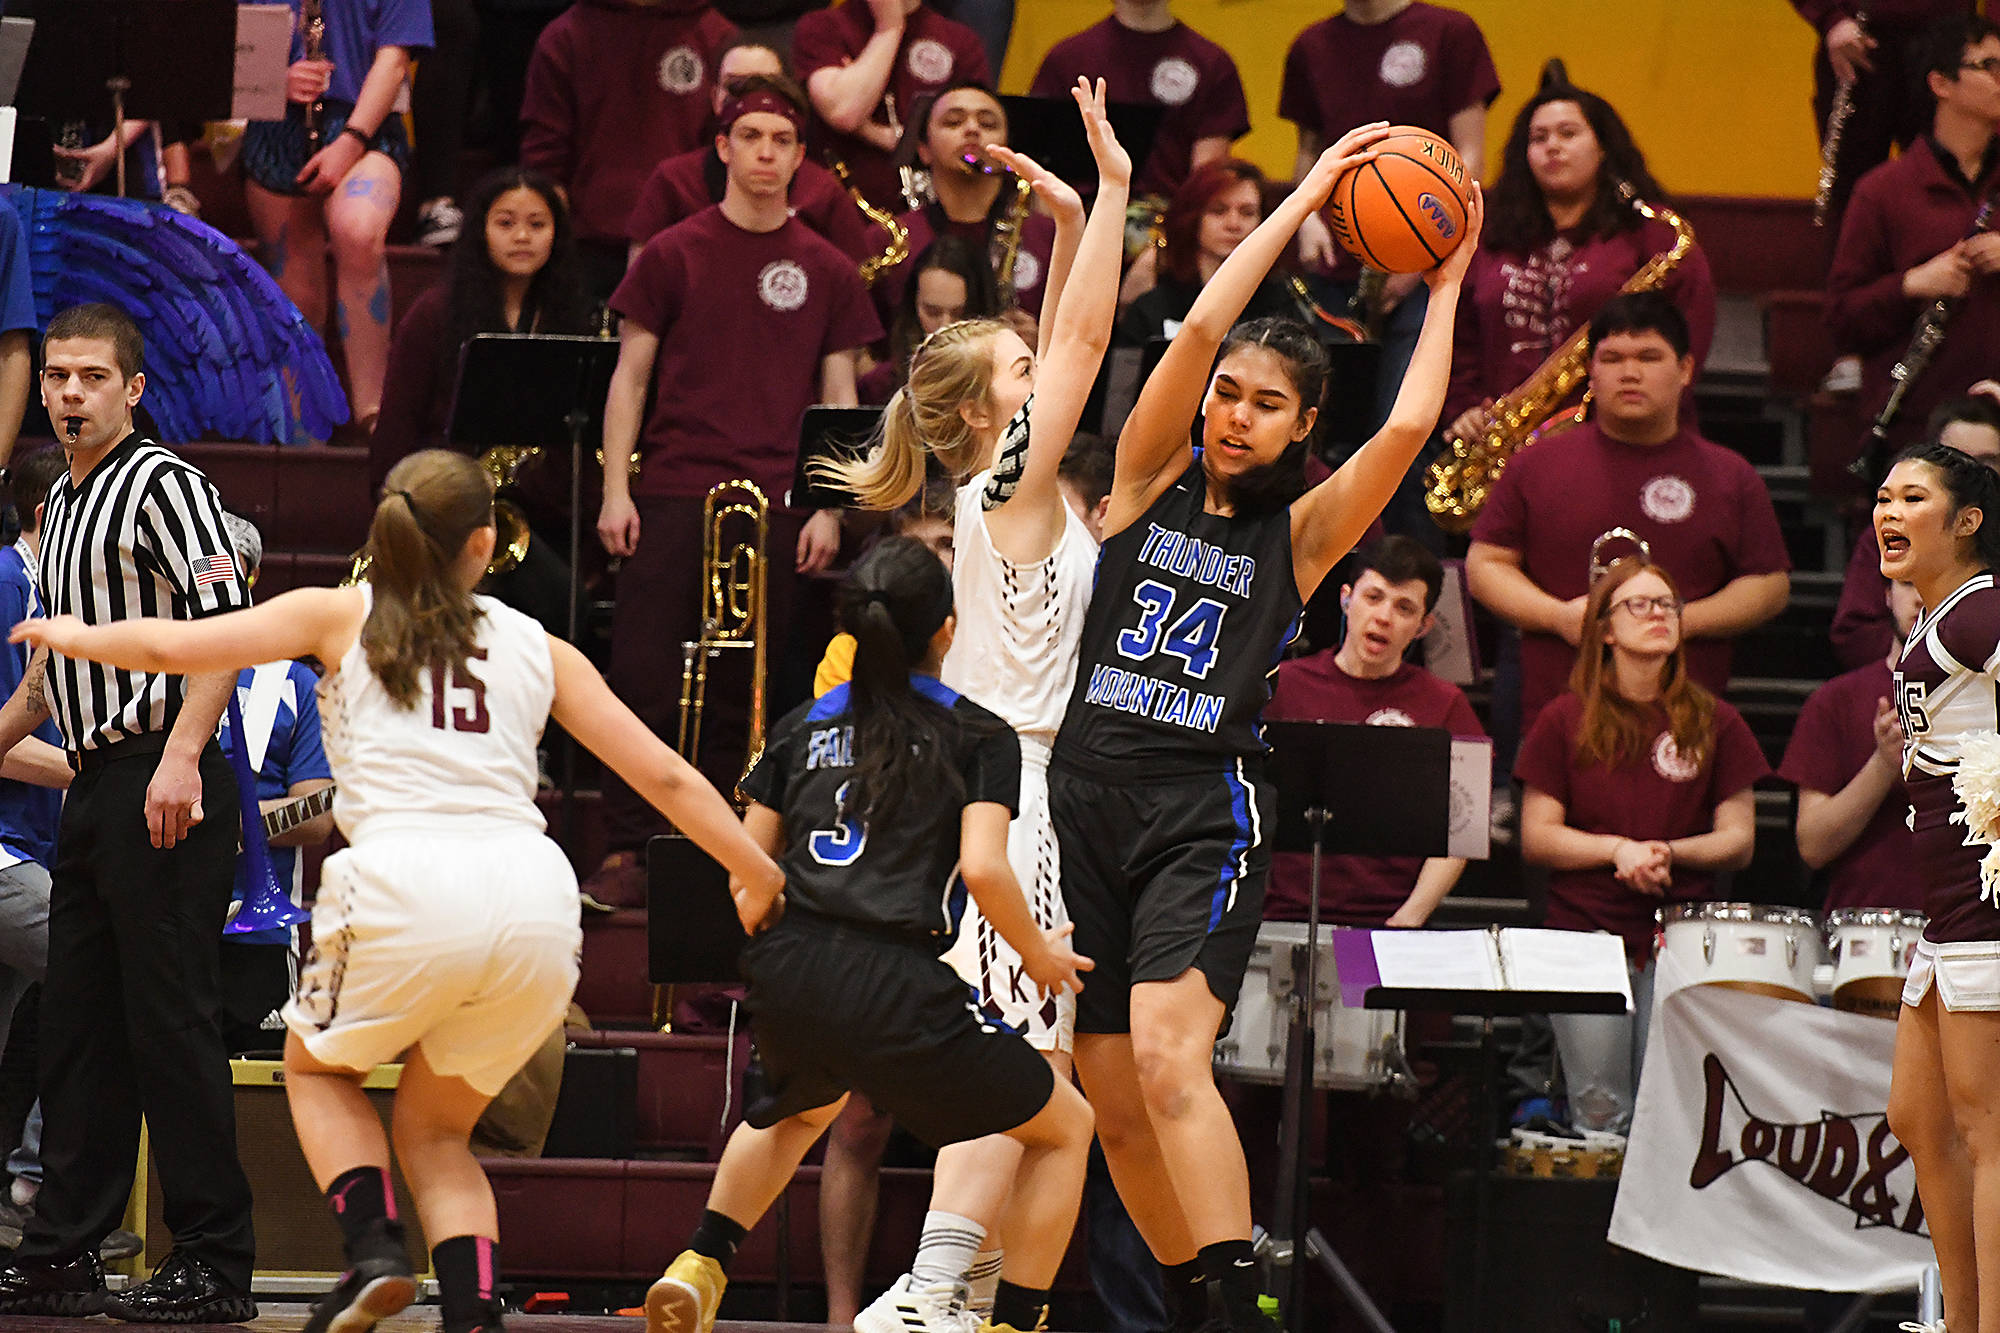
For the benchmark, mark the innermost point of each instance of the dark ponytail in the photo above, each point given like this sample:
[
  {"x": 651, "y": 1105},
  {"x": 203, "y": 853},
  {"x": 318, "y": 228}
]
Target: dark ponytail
[
  {"x": 1971, "y": 484},
  {"x": 1275, "y": 485},
  {"x": 893, "y": 602},
  {"x": 419, "y": 617}
]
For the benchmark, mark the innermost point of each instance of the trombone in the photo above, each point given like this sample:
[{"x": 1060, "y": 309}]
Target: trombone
[{"x": 735, "y": 521}]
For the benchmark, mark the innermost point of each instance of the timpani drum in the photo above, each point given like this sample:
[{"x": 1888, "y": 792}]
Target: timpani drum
[
  {"x": 1352, "y": 1048},
  {"x": 1748, "y": 946},
  {"x": 1871, "y": 948}
]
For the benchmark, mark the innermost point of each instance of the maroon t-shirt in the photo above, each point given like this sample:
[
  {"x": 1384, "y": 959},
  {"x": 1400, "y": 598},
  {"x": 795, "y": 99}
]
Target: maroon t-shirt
[
  {"x": 1833, "y": 740},
  {"x": 1356, "y": 890},
  {"x": 684, "y": 185},
  {"x": 1421, "y": 68},
  {"x": 1657, "y": 795},
  {"x": 1862, "y": 625},
  {"x": 613, "y": 90},
  {"x": 1515, "y": 309},
  {"x": 1192, "y": 78},
  {"x": 936, "y": 51},
  {"x": 1031, "y": 262},
  {"x": 1702, "y": 507},
  {"x": 744, "y": 319},
  {"x": 1904, "y": 212},
  {"x": 1948, "y": 688}
]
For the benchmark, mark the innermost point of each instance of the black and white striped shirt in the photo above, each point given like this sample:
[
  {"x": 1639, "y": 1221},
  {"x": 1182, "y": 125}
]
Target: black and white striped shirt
[{"x": 141, "y": 536}]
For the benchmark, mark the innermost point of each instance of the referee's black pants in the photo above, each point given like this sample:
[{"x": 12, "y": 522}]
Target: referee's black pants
[{"x": 130, "y": 1021}]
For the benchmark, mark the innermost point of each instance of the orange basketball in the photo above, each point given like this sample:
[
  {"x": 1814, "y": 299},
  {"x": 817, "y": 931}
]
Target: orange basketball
[{"x": 1404, "y": 211}]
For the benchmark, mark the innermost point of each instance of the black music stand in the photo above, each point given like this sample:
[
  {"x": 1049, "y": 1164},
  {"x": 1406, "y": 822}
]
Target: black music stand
[
  {"x": 162, "y": 60},
  {"x": 1392, "y": 788},
  {"x": 525, "y": 390}
]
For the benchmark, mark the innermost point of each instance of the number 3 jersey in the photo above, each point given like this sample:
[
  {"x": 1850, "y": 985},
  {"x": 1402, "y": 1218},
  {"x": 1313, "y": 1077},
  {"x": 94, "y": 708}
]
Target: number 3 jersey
[
  {"x": 463, "y": 759},
  {"x": 1946, "y": 691},
  {"x": 1191, "y": 612},
  {"x": 899, "y": 875}
]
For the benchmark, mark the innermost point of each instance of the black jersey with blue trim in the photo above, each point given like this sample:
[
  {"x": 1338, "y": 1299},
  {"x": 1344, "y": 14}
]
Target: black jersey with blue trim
[
  {"x": 903, "y": 876},
  {"x": 1190, "y": 615}
]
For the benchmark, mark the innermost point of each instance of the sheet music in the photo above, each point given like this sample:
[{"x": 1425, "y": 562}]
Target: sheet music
[
  {"x": 1436, "y": 959},
  {"x": 263, "y": 51},
  {"x": 1566, "y": 960}
]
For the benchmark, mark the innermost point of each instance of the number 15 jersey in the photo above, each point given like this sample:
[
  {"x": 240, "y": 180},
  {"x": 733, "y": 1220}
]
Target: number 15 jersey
[
  {"x": 1191, "y": 613},
  {"x": 463, "y": 759}
]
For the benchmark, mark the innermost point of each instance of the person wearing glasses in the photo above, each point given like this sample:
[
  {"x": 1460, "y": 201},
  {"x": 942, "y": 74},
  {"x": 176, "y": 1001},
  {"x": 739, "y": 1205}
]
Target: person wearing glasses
[
  {"x": 1919, "y": 229},
  {"x": 1638, "y": 469},
  {"x": 1638, "y": 790}
]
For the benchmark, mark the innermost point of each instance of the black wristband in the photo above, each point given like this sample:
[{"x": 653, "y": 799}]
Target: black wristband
[{"x": 366, "y": 141}]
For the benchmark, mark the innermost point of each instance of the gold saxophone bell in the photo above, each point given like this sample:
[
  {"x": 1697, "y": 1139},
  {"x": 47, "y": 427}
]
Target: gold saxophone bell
[
  {"x": 735, "y": 524},
  {"x": 510, "y": 524},
  {"x": 1459, "y": 483}
]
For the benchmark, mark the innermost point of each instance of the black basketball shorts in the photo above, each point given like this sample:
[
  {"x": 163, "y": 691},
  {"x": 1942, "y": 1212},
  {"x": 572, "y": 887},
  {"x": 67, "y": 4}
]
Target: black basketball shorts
[
  {"x": 1160, "y": 877},
  {"x": 836, "y": 1008}
]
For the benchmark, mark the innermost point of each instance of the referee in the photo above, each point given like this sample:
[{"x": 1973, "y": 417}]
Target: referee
[{"x": 141, "y": 880}]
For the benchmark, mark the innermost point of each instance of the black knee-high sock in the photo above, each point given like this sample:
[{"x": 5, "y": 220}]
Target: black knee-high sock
[
  {"x": 1021, "y": 1307},
  {"x": 364, "y": 1205},
  {"x": 1232, "y": 1266},
  {"x": 468, "y": 1270},
  {"x": 717, "y": 1237}
]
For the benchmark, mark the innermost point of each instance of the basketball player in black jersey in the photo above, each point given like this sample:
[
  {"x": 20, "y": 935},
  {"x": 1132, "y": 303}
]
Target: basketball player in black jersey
[
  {"x": 870, "y": 796},
  {"x": 1156, "y": 783}
]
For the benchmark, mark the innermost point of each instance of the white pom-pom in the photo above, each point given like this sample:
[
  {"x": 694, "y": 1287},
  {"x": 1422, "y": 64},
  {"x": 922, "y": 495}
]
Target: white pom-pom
[{"x": 1977, "y": 785}]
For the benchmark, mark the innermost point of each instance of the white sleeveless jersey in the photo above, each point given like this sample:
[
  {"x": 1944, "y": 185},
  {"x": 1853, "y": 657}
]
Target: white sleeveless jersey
[
  {"x": 463, "y": 759},
  {"x": 1018, "y": 625}
]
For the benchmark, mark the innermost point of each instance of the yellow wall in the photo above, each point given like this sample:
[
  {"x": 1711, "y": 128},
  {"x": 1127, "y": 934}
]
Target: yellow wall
[{"x": 1716, "y": 91}]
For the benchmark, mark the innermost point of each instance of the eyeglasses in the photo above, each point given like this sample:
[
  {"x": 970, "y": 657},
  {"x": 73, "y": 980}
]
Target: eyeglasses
[
  {"x": 1989, "y": 66},
  {"x": 1649, "y": 606}
]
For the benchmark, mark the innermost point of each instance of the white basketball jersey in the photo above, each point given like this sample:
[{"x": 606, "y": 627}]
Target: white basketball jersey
[
  {"x": 1018, "y": 625},
  {"x": 461, "y": 760}
]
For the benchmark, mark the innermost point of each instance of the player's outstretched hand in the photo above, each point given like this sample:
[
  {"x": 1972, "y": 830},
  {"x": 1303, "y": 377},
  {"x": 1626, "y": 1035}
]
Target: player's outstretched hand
[
  {"x": 1350, "y": 150},
  {"x": 1058, "y": 196},
  {"x": 1058, "y": 967},
  {"x": 758, "y": 908},
  {"x": 56, "y": 633},
  {"x": 1114, "y": 164},
  {"x": 1451, "y": 272}
]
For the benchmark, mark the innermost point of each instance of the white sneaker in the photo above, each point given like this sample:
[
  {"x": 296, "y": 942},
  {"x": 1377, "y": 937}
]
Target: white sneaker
[
  {"x": 1913, "y": 1326},
  {"x": 937, "y": 1307},
  {"x": 1844, "y": 376},
  {"x": 438, "y": 222}
]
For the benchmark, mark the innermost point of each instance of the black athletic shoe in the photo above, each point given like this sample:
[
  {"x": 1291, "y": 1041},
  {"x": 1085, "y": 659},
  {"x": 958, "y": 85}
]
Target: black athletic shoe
[
  {"x": 68, "y": 1288},
  {"x": 370, "y": 1291},
  {"x": 182, "y": 1290}
]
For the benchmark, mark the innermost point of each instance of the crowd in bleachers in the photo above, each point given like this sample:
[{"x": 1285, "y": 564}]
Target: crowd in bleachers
[{"x": 771, "y": 204}]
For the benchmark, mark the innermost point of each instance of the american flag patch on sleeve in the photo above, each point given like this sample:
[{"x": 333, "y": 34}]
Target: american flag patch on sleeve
[{"x": 214, "y": 569}]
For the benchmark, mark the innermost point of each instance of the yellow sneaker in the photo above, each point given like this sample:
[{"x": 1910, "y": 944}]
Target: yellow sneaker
[
  {"x": 687, "y": 1295},
  {"x": 1041, "y": 1325}
]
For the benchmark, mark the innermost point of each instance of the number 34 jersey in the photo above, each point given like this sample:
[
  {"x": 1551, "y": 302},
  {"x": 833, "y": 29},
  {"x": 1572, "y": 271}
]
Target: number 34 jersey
[
  {"x": 898, "y": 875},
  {"x": 463, "y": 759},
  {"x": 1191, "y": 612},
  {"x": 1947, "y": 690}
]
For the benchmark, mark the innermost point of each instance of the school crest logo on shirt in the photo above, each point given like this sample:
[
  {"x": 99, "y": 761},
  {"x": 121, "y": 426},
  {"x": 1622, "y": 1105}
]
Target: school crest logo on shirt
[
  {"x": 681, "y": 70},
  {"x": 1390, "y": 717},
  {"x": 1670, "y": 763},
  {"x": 1027, "y": 271},
  {"x": 1173, "y": 81},
  {"x": 1667, "y": 499},
  {"x": 1403, "y": 64},
  {"x": 929, "y": 61},
  {"x": 782, "y": 285}
]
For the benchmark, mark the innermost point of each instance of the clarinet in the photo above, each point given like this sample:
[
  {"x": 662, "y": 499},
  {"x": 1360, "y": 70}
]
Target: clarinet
[
  {"x": 1837, "y": 116},
  {"x": 1927, "y": 337},
  {"x": 313, "y": 14}
]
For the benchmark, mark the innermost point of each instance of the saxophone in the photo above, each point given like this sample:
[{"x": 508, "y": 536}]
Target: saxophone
[
  {"x": 1460, "y": 481},
  {"x": 898, "y": 248},
  {"x": 1007, "y": 239}
]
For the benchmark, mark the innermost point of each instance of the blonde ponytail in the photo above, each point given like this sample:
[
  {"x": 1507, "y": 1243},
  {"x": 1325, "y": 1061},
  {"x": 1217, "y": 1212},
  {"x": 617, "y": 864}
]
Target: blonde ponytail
[{"x": 951, "y": 368}]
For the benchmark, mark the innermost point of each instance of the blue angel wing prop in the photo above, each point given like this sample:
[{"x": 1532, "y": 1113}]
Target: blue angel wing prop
[{"x": 227, "y": 352}]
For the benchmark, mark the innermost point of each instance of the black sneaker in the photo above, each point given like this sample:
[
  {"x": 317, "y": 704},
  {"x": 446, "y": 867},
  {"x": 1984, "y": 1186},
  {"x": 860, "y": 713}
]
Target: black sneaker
[
  {"x": 370, "y": 1291},
  {"x": 182, "y": 1290},
  {"x": 69, "y": 1288}
]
